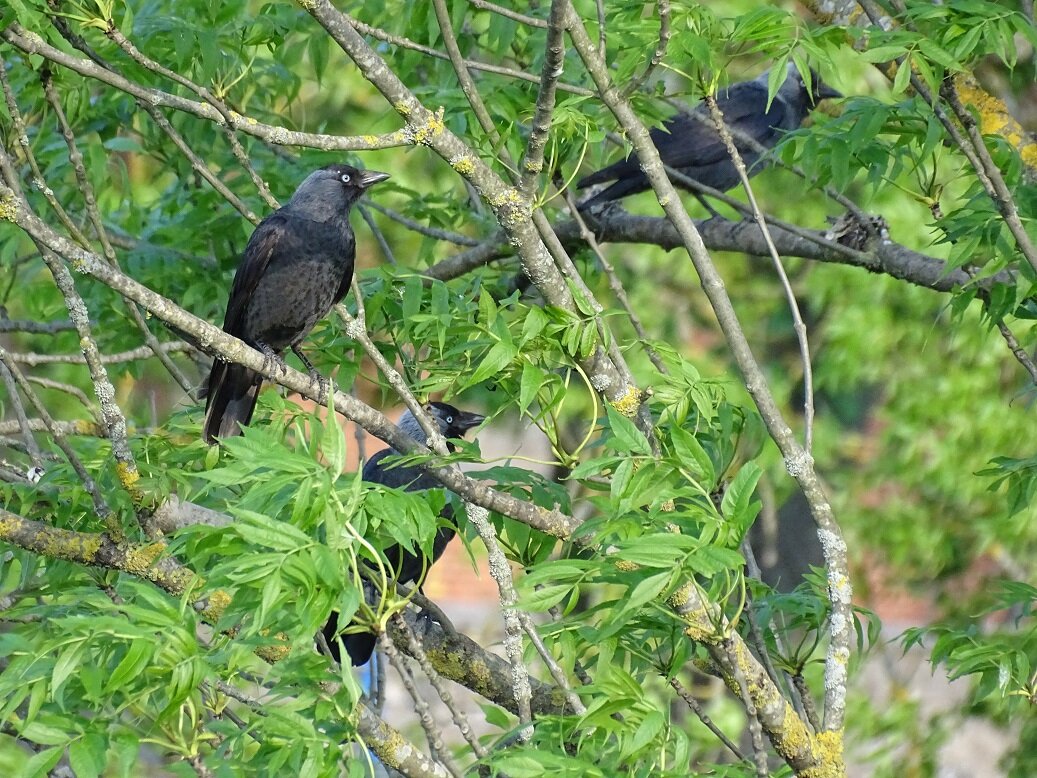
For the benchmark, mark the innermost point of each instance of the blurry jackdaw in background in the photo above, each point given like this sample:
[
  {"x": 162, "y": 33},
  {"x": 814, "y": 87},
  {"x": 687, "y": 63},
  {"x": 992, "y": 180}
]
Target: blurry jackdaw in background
[{"x": 690, "y": 144}]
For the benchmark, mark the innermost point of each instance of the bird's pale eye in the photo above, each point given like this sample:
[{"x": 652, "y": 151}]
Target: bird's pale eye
[
  {"x": 345, "y": 178},
  {"x": 449, "y": 419}
]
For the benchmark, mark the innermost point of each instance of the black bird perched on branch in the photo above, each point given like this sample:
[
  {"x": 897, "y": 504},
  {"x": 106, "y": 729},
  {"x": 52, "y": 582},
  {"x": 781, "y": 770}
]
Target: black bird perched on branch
[
  {"x": 298, "y": 263},
  {"x": 405, "y": 566},
  {"x": 690, "y": 144}
]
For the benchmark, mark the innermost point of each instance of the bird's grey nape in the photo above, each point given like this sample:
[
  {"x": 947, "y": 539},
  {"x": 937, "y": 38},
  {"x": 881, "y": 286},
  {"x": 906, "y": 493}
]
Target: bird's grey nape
[{"x": 410, "y": 425}]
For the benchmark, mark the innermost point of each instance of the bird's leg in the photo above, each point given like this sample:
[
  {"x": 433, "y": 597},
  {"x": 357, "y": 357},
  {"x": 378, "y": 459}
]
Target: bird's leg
[
  {"x": 429, "y": 613},
  {"x": 315, "y": 376},
  {"x": 271, "y": 358}
]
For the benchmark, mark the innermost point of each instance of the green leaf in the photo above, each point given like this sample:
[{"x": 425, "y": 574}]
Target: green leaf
[
  {"x": 44, "y": 734},
  {"x": 82, "y": 757},
  {"x": 545, "y": 597},
  {"x": 626, "y": 437},
  {"x": 263, "y": 531},
  {"x": 646, "y": 732},
  {"x": 43, "y": 762},
  {"x": 498, "y": 357},
  {"x": 736, "y": 503},
  {"x": 692, "y": 456},
  {"x": 532, "y": 379},
  {"x": 68, "y": 661},
  {"x": 136, "y": 659},
  {"x": 333, "y": 441},
  {"x": 647, "y": 590}
]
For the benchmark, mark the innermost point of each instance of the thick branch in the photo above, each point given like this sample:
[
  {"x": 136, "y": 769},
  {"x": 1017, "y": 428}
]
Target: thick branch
[{"x": 30, "y": 43}]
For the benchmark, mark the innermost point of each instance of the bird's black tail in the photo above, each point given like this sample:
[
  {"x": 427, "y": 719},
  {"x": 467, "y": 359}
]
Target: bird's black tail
[
  {"x": 598, "y": 177},
  {"x": 230, "y": 400},
  {"x": 359, "y": 645}
]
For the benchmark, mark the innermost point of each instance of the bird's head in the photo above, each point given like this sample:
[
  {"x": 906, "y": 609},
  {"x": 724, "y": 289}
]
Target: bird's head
[
  {"x": 452, "y": 422},
  {"x": 335, "y": 186},
  {"x": 795, "y": 90}
]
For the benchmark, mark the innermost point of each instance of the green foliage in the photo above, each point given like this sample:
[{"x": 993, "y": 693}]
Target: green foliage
[{"x": 923, "y": 433}]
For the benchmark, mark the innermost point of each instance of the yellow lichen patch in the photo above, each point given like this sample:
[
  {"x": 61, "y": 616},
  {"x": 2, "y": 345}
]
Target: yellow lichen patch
[
  {"x": 392, "y": 749},
  {"x": 994, "y": 118},
  {"x": 76, "y": 546},
  {"x": 463, "y": 165},
  {"x": 402, "y": 109},
  {"x": 511, "y": 207},
  {"x": 218, "y": 602},
  {"x": 680, "y": 597},
  {"x": 700, "y": 634},
  {"x": 8, "y": 207},
  {"x": 140, "y": 559},
  {"x": 128, "y": 475},
  {"x": 629, "y": 402},
  {"x": 433, "y": 126},
  {"x": 86, "y": 428},
  {"x": 830, "y": 747},
  {"x": 272, "y": 654}
]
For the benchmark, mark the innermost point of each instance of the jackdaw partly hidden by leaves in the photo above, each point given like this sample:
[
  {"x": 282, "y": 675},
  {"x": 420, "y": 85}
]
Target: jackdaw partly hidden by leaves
[
  {"x": 405, "y": 566},
  {"x": 690, "y": 144},
  {"x": 298, "y": 263}
]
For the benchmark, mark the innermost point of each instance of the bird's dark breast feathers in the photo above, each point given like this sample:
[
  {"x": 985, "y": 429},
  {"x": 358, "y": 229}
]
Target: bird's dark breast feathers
[{"x": 308, "y": 271}]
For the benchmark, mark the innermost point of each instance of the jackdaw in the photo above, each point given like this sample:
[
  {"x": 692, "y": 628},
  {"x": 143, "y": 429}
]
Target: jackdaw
[
  {"x": 690, "y": 144},
  {"x": 298, "y": 263},
  {"x": 405, "y": 566}
]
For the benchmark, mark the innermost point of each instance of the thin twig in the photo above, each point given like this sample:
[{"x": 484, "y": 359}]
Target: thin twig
[
  {"x": 111, "y": 414},
  {"x": 424, "y": 229},
  {"x": 133, "y": 355},
  {"x": 75, "y": 391},
  {"x": 460, "y": 719},
  {"x": 663, "y": 7},
  {"x": 383, "y": 244},
  {"x": 100, "y": 504},
  {"x": 500, "y": 570},
  {"x": 697, "y": 709},
  {"x": 406, "y": 43},
  {"x": 34, "y": 327},
  {"x": 22, "y": 418},
  {"x": 615, "y": 284},
  {"x": 552, "y": 666},
  {"x": 428, "y": 723},
  {"x": 755, "y": 727},
  {"x": 484, "y": 5},
  {"x": 807, "y": 699},
  {"x": 798, "y": 325},
  {"x": 554, "y": 59}
]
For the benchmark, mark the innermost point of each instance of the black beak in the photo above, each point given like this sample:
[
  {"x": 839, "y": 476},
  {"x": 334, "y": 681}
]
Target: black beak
[
  {"x": 825, "y": 92},
  {"x": 369, "y": 178},
  {"x": 465, "y": 421}
]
